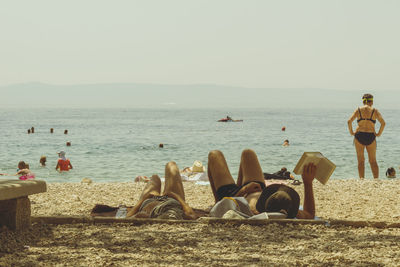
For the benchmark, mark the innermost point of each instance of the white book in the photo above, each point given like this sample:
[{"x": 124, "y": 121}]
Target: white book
[{"x": 325, "y": 167}]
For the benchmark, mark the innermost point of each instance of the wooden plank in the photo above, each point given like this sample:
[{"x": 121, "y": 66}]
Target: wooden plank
[
  {"x": 12, "y": 189},
  {"x": 206, "y": 220},
  {"x": 15, "y": 213}
]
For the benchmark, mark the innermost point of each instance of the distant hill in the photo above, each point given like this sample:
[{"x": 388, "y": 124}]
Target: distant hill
[{"x": 134, "y": 95}]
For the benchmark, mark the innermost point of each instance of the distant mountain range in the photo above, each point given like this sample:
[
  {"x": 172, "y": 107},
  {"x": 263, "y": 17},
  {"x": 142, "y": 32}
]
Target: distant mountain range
[{"x": 134, "y": 95}]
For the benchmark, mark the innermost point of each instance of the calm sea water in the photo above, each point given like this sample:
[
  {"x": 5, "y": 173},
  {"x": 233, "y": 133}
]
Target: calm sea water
[{"x": 120, "y": 144}]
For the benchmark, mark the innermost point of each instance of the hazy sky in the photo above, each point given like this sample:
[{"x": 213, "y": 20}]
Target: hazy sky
[{"x": 338, "y": 44}]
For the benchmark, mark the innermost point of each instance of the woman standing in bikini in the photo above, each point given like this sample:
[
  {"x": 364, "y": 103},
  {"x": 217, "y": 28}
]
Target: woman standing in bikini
[{"x": 365, "y": 135}]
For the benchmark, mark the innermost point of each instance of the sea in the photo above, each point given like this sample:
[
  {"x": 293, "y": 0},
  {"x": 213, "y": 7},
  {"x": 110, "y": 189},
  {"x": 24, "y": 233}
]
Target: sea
[{"x": 117, "y": 145}]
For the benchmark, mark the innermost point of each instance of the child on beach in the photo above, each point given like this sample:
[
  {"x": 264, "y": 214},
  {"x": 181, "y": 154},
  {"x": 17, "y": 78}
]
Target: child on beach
[{"x": 63, "y": 164}]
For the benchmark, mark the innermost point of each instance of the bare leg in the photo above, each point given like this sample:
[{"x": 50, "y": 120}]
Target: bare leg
[
  {"x": 371, "y": 149},
  {"x": 152, "y": 188},
  {"x": 173, "y": 180},
  {"x": 250, "y": 169},
  {"x": 218, "y": 171},
  {"x": 360, "y": 158}
]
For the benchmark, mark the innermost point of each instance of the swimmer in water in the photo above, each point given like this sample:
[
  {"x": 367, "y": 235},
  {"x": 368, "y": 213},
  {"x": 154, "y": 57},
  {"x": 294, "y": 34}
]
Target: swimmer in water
[
  {"x": 23, "y": 172},
  {"x": 391, "y": 173},
  {"x": 42, "y": 161},
  {"x": 286, "y": 143},
  {"x": 63, "y": 164}
]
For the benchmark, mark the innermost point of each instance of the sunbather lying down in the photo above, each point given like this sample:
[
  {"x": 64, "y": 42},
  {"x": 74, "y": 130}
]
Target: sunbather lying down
[
  {"x": 251, "y": 185},
  {"x": 170, "y": 204},
  {"x": 167, "y": 205}
]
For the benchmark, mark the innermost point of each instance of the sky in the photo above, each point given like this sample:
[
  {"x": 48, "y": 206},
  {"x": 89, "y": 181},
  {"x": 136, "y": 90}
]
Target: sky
[{"x": 341, "y": 44}]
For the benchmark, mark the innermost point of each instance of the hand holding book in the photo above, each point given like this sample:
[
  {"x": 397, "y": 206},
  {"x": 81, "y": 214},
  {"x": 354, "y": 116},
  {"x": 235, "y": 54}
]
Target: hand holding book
[
  {"x": 324, "y": 167},
  {"x": 309, "y": 172}
]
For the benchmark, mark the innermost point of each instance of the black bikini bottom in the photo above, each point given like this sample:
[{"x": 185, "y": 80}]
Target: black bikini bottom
[
  {"x": 230, "y": 190},
  {"x": 365, "y": 138}
]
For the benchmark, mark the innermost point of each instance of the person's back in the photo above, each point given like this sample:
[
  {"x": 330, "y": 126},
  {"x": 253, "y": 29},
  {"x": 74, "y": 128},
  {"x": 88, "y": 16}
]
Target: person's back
[
  {"x": 63, "y": 164},
  {"x": 366, "y": 119}
]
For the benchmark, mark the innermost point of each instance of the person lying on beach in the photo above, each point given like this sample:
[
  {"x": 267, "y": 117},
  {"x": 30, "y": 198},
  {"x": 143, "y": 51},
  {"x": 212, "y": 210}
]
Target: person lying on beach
[
  {"x": 170, "y": 204},
  {"x": 63, "y": 164},
  {"x": 251, "y": 185},
  {"x": 23, "y": 172}
]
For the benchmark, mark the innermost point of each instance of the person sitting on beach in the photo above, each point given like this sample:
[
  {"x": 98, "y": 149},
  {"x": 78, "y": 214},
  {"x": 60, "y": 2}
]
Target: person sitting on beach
[
  {"x": 63, "y": 164},
  {"x": 42, "y": 161},
  {"x": 251, "y": 185},
  {"x": 167, "y": 205}
]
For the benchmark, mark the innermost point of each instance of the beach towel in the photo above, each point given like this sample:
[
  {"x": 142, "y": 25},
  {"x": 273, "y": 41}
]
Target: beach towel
[
  {"x": 238, "y": 208},
  {"x": 100, "y": 210}
]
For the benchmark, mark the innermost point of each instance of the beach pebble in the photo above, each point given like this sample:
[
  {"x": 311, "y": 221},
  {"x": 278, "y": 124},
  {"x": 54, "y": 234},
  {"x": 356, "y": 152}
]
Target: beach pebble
[{"x": 86, "y": 181}]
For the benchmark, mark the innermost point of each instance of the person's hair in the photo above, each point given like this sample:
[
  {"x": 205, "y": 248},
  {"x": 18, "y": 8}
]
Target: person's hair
[
  {"x": 22, "y": 164},
  {"x": 367, "y": 98},
  {"x": 390, "y": 171}
]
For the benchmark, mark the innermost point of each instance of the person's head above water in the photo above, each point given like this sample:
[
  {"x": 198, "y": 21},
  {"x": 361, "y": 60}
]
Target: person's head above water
[
  {"x": 43, "y": 160},
  {"x": 21, "y": 165},
  {"x": 391, "y": 173},
  {"x": 367, "y": 99},
  {"x": 61, "y": 154}
]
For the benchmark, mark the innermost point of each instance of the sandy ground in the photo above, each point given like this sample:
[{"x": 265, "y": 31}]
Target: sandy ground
[{"x": 202, "y": 244}]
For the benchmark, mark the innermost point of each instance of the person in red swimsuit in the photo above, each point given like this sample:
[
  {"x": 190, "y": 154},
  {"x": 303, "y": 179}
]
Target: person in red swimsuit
[{"x": 63, "y": 164}]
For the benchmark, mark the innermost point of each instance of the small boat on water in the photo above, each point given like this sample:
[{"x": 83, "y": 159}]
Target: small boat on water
[{"x": 229, "y": 119}]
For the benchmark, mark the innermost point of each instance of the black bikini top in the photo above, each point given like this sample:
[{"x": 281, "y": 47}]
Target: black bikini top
[{"x": 370, "y": 119}]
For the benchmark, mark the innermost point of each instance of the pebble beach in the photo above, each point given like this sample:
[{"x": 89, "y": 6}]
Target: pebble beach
[{"x": 198, "y": 244}]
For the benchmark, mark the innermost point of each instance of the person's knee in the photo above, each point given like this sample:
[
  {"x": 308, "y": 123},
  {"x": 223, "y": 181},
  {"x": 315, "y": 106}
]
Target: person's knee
[
  {"x": 214, "y": 154},
  {"x": 373, "y": 162},
  {"x": 171, "y": 165},
  {"x": 248, "y": 153}
]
